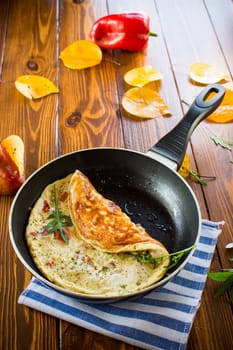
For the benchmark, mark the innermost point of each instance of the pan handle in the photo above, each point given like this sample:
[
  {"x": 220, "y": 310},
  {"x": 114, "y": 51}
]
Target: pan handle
[{"x": 174, "y": 144}]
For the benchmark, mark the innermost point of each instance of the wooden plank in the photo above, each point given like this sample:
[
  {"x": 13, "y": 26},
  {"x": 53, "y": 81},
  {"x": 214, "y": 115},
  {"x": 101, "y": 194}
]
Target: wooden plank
[
  {"x": 37, "y": 52},
  {"x": 79, "y": 338},
  {"x": 195, "y": 40},
  {"x": 31, "y": 49},
  {"x": 34, "y": 49},
  {"x": 4, "y": 10},
  {"x": 96, "y": 114},
  {"x": 190, "y": 40},
  {"x": 221, "y": 16},
  {"x": 143, "y": 134},
  {"x": 203, "y": 336}
]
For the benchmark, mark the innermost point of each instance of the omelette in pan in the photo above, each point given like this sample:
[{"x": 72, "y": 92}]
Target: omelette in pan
[{"x": 83, "y": 242}]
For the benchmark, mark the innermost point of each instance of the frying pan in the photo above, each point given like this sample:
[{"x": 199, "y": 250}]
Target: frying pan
[{"x": 146, "y": 186}]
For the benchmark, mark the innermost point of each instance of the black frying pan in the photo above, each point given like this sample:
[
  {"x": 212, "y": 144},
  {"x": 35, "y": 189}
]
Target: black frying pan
[{"x": 146, "y": 186}]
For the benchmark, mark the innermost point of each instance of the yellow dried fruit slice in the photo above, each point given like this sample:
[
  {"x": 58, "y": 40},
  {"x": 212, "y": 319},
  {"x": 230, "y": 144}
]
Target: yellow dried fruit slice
[
  {"x": 224, "y": 112},
  {"x": 142, "y": 76},
  {"x": 35, "y": 86},
  {"x": 81, "y": 54},
  {"x": 184, "y": 170},
  {"x": 206, "y": 74},
  {"x": 144, "y": 103}
]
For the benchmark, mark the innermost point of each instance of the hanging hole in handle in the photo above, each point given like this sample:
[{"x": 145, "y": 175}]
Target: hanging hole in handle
[{"x": 210, "y": 96}]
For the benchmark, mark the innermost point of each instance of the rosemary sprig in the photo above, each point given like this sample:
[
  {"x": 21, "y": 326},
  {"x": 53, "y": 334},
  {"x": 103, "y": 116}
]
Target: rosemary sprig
[
  {"x": 197, "y": 177},
  {"x": 146, "y": 257},
  {"x": 58, "y": 220},
  {"x": 224, "y": 144}
]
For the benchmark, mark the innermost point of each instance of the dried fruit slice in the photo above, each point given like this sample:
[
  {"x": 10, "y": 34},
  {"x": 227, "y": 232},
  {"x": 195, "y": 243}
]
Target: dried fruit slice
[
  {"x": 184, "y": 170},
  {"x": 11, "y": 164},
  {"x": 15, "y": 148},
  {"x": 35, "y": 86},
  {"x": 142, "y": 76},
  {"x": 144, "y": 103},
  {"x": 224, "y": 112},
  {"x": 81, "y": 54},
  {"x": 206, "y": 74}
]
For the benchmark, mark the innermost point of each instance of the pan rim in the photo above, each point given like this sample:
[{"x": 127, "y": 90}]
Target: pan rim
[{"x": 94, "y": 297}]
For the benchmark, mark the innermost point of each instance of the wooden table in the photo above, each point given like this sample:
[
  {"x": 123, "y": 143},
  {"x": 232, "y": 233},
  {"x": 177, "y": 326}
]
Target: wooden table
[{"x": 32, "y": 34}]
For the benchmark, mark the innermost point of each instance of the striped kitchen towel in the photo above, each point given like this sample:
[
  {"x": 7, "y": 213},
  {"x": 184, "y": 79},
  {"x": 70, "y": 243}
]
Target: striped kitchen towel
[{"x": 161, "y": 319}]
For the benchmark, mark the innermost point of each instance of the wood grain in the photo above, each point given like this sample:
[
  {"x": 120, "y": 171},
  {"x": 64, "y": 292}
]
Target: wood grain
[
  {"x": 29, "y": 48},
  {"x": 96, "y": 107},
  {"x": 87, "y": 112}
]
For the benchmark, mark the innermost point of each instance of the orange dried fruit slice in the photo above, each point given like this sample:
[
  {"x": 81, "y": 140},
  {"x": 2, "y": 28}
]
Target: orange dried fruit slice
[
  {"x": 204, "y": 73},
  {"x": 35, "y": 86},
  {"x": 144, "y": 103},
  {"x": 81, "y": 54},
  {"x": 224, "y": 112},
  {"x": 184, "y": 170},
  {"x": 142, "y": 76}
]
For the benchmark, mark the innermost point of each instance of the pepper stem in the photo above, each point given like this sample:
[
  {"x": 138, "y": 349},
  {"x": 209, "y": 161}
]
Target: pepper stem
[{"x": 152, "y": 34}]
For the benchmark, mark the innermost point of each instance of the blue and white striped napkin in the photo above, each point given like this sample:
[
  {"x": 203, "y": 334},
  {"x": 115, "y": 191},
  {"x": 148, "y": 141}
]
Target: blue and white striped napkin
[{"x": 159, "y": 320}]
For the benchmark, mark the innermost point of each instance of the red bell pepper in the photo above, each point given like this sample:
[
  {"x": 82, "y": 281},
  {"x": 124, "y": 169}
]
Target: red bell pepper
[{"x": 126, "y": 31}]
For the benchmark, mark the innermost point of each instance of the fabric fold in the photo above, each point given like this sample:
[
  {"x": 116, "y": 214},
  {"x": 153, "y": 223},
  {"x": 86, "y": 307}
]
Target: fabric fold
[{"x": 162, "y": 319}]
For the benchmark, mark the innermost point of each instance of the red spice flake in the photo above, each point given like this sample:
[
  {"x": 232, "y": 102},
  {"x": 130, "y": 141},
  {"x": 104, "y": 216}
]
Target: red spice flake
[
  {"x": 57, "y": 234},
  {"x": 46, "y": 206},
  {"x": 63, "y": 196},
  {"x": 87, "y": 260},
  {"x": 112, "y": 264},
  {"x": 50, "y": 263},
  {"x": 67, "y": 232},
  {"x": 33, "y": 234}
]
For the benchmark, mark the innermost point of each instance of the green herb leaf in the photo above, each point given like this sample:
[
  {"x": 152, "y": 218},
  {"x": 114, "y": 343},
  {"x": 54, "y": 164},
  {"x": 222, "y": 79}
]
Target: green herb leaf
[
  {"x": 59, "y": 220},
  {"x": 146, "y": 257},
  {"x": 229, "y": 245},
  {"x": 222, "y": 143},
  {"x": 220, "y": 276},
  {"x": 176, "y": 257},
  {"x": 226, "y": 278},
  {"x": 197, "y": 177}
]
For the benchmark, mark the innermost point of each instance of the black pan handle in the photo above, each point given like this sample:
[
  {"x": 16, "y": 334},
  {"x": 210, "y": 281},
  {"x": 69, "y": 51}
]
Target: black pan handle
[{"x": 174, "y": 144}]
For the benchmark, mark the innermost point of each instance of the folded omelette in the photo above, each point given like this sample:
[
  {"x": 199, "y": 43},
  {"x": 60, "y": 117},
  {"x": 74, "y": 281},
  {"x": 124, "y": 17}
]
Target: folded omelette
[{"x": 95, "y": 248}]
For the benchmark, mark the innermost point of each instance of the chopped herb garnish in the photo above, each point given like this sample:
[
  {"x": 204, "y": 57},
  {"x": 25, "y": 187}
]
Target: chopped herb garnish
[
  {"x": 146, "y": 257},
  {"x": 58, "y": 220},
  {"x": 123, "y": 286}
]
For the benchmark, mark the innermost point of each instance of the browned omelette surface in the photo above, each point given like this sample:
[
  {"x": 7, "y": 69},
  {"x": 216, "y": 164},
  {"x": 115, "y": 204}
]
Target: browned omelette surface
[
  {"x": 101, "y": 222},
  {"x": 76, "y": 264}
]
